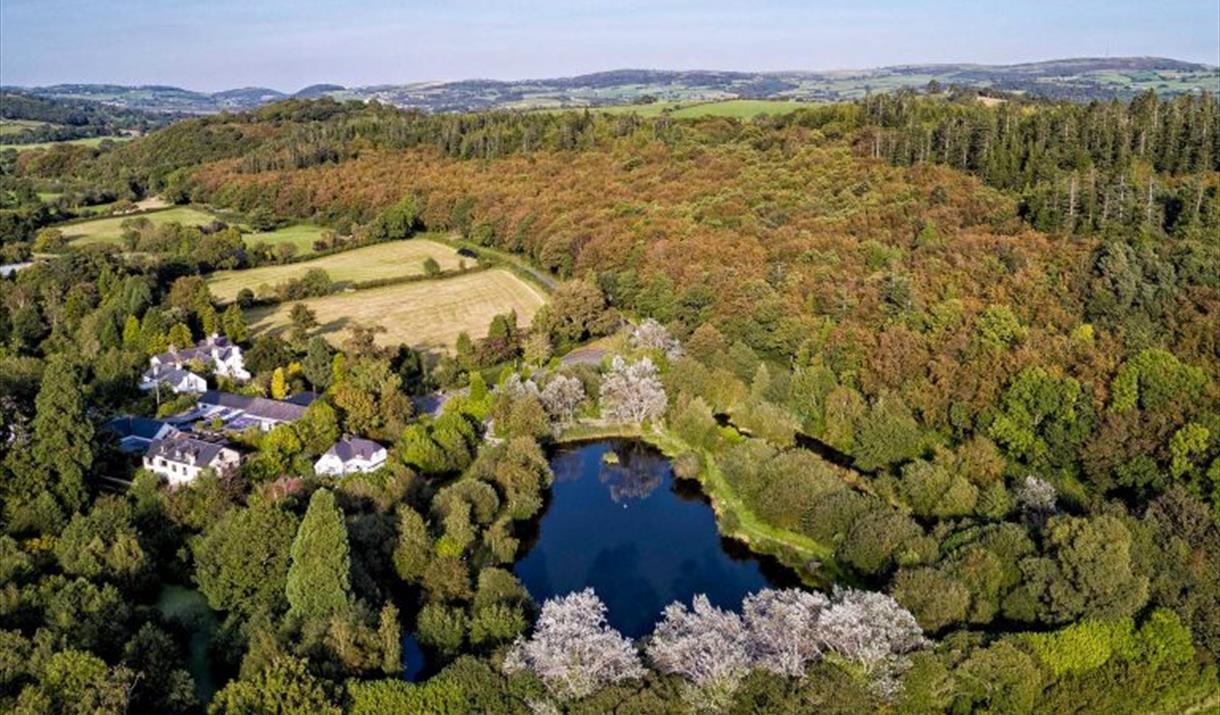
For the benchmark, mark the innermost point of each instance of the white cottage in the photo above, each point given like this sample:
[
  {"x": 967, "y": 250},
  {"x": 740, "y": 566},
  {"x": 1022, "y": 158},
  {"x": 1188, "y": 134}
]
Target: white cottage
[
  {"x": 177, "y": 380},
  {"x": 216, "y": 352},
  {"x": 180, "y": 458},
  {"x": 350, "y": 455}
]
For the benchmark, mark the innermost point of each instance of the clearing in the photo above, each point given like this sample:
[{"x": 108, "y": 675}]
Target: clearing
[
  {"x": 109, "y": 229},
  {"x": 422, "y": 314},
  {"x": 301, "y": 235},
  {"x": 393, "y": 259}
]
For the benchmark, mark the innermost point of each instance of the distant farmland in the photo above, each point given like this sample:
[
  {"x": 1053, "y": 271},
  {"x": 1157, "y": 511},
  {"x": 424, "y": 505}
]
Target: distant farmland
[
  {"x": 110, "y": 230},
  {"x": 422, "y": 314},
  {"x": 394, "y": 259}
]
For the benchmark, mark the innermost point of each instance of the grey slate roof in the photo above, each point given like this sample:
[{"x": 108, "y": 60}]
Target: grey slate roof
[
  {"x": 184, "y": 449},
  {"x": 142, "y": 427},
  {"x": 255, "y": 406},
  {"x": 200, "y": 351},
  {"x": 304, "y": 399},
  {"x": 350, "y": 448}
]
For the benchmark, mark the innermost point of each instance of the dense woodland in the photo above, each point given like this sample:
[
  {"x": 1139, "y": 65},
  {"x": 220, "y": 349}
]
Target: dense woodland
[{"x": 959, "y": 358}]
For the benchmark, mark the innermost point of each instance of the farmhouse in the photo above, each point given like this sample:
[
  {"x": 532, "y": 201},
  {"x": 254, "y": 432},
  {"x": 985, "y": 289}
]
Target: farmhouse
[
  {"x": 239, "y": 412},
  {"x": 350, "y": 455},
  {"x": 176, "y": 379},
  {"x": 180, "y": 457},
  {"x": 135, "y": 434},
  {"x": 216, "y": 352}
]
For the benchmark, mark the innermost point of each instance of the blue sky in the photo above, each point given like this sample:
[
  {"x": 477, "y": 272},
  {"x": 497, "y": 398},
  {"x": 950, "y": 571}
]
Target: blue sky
[{"x": 286, "y": 44}]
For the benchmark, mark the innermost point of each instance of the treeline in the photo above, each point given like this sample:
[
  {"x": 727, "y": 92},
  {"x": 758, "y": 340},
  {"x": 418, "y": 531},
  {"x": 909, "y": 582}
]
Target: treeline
[
  {"x": 71, "y": 119},
  {"x": 1146, "y": 166}
]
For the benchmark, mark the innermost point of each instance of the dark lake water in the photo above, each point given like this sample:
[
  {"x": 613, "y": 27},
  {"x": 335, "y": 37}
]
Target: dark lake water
[{"x": 640, "y": 538}]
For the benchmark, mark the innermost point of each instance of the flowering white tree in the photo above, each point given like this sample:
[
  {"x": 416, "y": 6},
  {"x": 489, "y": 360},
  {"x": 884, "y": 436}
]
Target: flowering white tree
[
  {"x": 562, "y": 397},
  {"x": 632, "y": 392},
  {"x": 516, "y": 388},
  {"x": 706, "y": 645},
  {"x": 651, "y": 335},
  {"x": 873, "y": 631},
  {"x": 782, "y": 626},
  {"x": 1036, "y": 497},
  {"x": 573, "y": 650}
]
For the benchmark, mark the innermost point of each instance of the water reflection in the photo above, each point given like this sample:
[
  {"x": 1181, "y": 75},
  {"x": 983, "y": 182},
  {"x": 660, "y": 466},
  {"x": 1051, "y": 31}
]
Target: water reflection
[{"x": 636, "y": 535}]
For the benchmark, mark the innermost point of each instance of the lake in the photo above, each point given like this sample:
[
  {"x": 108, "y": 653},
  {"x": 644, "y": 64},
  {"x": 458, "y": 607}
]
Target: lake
[{"x": 638, "y": 536}]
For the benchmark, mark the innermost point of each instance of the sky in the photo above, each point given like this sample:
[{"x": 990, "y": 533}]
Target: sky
[{"x": 286, "y": 44}]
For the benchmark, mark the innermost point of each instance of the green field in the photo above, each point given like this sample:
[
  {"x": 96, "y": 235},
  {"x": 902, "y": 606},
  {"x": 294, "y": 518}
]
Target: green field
[
  {"x": 737, "y": 108},
  {"x": 422, "y": 314},
  {"x": 16, "y": 126},
  {"x": 88, "y": 141},
  {"x": 395, "y": 259},
  {"x": 109, "y": 229},
  {"x": 301, "y": 235}
]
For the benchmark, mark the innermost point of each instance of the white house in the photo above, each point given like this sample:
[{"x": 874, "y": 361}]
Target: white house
[
  {"x": 180, "y": 457},
  {"x": 350, "y": 455},
  {"x": 178, "y": 380},
  {"x": 224, "y": 358}
]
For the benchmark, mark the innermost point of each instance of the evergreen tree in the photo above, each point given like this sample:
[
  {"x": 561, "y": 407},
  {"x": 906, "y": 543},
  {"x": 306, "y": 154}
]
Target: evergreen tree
[
  {"x": 63, "y": 435},
  {"x": 317, "y": 364},
  {"x": 235, "y": 324},
  {"x": 319, "y": 580}
]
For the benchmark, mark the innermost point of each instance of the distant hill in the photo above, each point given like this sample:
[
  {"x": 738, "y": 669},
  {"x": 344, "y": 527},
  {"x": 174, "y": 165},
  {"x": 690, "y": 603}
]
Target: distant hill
[
  {"x": 27, "y": 118},
  {"x": 1081, "y": 79}
]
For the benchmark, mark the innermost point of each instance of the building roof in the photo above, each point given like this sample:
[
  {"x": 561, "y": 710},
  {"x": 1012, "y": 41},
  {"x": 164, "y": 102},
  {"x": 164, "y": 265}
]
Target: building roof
[
  {"x": 171, "y": 375},
  {"x": 304, "y": 399},
  {"x": 350, "y": 448},
  {"x": 261, "y": 407},
  {"x": 202, "y": 350},
  {"x": 141, "y": 427},
  {"x": 182, "y": 448}
]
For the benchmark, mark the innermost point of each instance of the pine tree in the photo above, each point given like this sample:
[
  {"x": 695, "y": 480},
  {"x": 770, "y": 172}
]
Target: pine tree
[
  {"x": 389, "y": 632},
  {"x": 317, "y": 364},
  {"x": 63, "y": 435},
  {"x": 180, "y": 336},
  {"x": 209, "y": 319},
  {"x": 319, "y": 580},
  {"x": 235, "y": 324},
  {"x": 131, "y": 334}
]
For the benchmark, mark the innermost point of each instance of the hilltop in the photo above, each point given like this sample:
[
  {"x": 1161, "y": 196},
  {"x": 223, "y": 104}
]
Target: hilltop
[{"x": 1079, "y": 79}]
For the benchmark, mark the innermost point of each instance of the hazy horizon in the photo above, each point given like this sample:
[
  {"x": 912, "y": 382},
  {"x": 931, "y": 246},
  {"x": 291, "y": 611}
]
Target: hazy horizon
[{"x": 286, "y": 46}]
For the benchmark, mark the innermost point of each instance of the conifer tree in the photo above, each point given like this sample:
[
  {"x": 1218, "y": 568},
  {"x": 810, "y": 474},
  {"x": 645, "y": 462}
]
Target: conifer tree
[
  {"x": 235, "y": 324},
  {"x": 63, "y": 435},
  {"x": 319, "y": 580}
]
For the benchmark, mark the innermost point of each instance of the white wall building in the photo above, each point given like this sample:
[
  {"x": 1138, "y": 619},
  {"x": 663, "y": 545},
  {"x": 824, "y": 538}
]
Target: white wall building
[
  {"x": 177, "y": 380},
  {"x": 216, "y": 352},
  {"x": 180, "y": 458},
  {"x": 349, "y": 456}
]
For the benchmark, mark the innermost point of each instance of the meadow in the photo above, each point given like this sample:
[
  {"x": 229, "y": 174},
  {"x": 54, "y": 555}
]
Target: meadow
[
  {"x": 301, "y": 235},
  {"x": 423, "y": 314},
  {"x": 395, "y": 259},
  {"x": 87, "y": 141},
  {"x": 109, "y": 229}
]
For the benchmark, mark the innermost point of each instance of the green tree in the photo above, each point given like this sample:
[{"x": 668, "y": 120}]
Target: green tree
[
  {"x": 63, "y": 434},
  {"x": 285, "y": 687},
  {"x": 432, "y": 269},
  {"x": 442, "y": 628},
  {"x": 414, "y": 545},
  {"x": 319, "y": 580},
  {"x": 317, "y": 363},
  {"x": 235, "y": 324},
  {"x": 389, "y": 633},
  {"x": 242, "y": 560},
  {"x": 103, "y": 543}
]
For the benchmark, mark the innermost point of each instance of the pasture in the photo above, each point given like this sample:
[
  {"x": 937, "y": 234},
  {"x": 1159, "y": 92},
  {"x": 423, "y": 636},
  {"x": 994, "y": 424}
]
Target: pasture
[
  {"x": 301, "y": 235},
  {"x": 394, "y": 259},
  {"x": 87, "y": 141},
  {"x": 735, "y": 108},
  {"x": 426, "y": 315},
  {"x": 109, "y": 229}
]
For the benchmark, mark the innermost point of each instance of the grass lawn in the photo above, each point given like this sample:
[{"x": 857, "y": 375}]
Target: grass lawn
[
  {"x": 393, "y": 259},
  {"x": 108, "y": 230},
  {"x": 422, "y": 314},
  {"x": 301, "y": 235},
  {"x": 16, "y": 126}
]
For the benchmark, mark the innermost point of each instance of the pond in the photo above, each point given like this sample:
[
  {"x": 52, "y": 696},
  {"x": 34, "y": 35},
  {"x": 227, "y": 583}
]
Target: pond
[{"x": 639, "y": 537}]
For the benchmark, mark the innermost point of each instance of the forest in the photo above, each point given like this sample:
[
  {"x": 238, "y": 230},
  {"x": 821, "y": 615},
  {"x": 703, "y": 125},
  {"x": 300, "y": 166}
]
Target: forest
[{"x": 953, "y": 360}]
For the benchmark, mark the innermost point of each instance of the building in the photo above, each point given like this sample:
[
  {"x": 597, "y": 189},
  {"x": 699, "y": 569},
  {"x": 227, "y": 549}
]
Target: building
[
  {"x": 350, "y": 455},
  {"x": 180, "y": 458},
  {"x": 239, "y": 412},
  {"x": 135, "y": 434},
  {"x": 216, "y": 352},
  {"x": 176, "y": 379}
]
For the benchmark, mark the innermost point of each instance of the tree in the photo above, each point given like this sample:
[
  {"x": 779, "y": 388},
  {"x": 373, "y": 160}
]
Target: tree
[
  {"x": 303, "y": 320},
  {"x": 285, "y": 687},
  {"x": 632, "y": 392},
  {"x": 242, "y": 560},
  {"x": 442, "y": 628},
  {"x": 562, "y": 397},
  {"x": 319, "y": 580},
  {"x": 74, "y": 682},
  {"x": 706, "y": 645},
  {"x": 573, "y": 650},
  {"x": 413, "y": 547},
  {"x": 317, "y": 363},
  {"x": 180, "y": 336},
  {"x": 871, "y": 630},
  {"x": 782, "y": 628},
  {"x": 389, "y": 632},
  {"x": 278, "y": 387},
  {"x": 63, "y": 434},
  {"x": 432, "y": 269},
  {"x": 935, "y": 598},
  {"x": 235, "y": 324},
  {"x": 103, "y": 544}
]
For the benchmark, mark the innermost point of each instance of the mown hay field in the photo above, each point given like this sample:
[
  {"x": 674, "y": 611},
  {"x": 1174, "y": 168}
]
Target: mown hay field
[
  {"x": 382, "y": 261},
  {"x": 426, "y": 315},
  {"x": 110, "y": 230}
]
